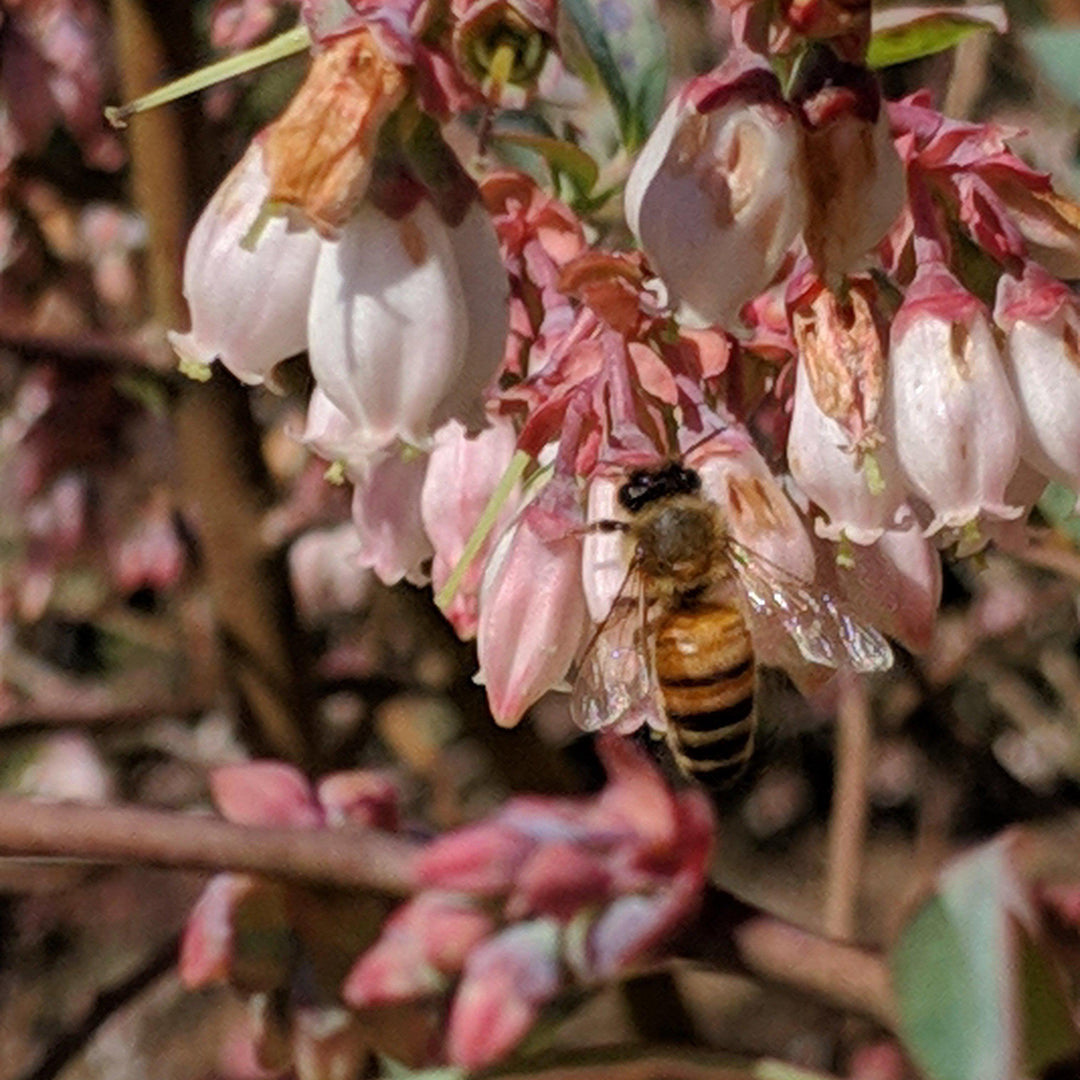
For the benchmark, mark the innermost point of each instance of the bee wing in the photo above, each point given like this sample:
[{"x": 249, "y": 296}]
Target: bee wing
[
  {"x": 824, "y": 629},
  {"x": 615, "y": 686}
]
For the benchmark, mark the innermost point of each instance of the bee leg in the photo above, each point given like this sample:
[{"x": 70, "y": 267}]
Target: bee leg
[{"x": 606, "y": 525}]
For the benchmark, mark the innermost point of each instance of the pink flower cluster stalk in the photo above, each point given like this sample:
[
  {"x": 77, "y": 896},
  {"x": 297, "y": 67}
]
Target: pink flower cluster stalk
[{"x": 544, "y": 895}]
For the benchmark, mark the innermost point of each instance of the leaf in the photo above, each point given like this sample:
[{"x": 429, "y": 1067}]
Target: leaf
[
  {"x": 1058, "y": 505},
  {"x": 1055, "y": 50},
  {"x": 626, "y": 43},
  {"x": 978, "y": 999},
  {"x": 558, "y": 153},
  {"x": 908, "y": 31}
]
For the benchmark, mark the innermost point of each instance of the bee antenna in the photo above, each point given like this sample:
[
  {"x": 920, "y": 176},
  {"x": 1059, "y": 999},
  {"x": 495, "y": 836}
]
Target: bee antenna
[{"x": 702, "y": 441}]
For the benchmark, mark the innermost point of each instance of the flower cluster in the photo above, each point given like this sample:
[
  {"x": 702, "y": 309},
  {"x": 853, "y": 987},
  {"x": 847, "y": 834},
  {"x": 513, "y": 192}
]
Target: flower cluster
[
  {"x": 843, "y": 315},
  {"x": 544, "y": 894},
  {"x": 511, "y": 911}
]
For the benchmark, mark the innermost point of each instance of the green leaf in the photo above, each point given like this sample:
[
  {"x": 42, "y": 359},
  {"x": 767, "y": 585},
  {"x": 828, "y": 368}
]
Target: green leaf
[
  {"x": 906, "y": 32},
  {"x": 1055, "y": 51},
  {"x": 560, "y": 155},
  {"x": 1058, "y": 505},
  {"x": 625, "y": 41},
  {"x": 977, "y": 998}
]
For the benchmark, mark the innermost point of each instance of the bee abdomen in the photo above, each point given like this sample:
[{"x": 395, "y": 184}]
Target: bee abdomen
[{"x": 705, "y": 667}]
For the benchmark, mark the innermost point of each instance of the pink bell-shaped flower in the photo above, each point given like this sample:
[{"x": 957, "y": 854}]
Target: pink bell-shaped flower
[
  {"x": 532, "y": 615},
  {"x": 407, "y": 321},
  {"x": 835, "y": 450},
  {"x": 717, "y": 195},
  {"x": 1041, "y": 319},
  {"x": 462, "y": 475},
  {"x": 247, "y": 282},
  {"x": 952, "y": 417}
]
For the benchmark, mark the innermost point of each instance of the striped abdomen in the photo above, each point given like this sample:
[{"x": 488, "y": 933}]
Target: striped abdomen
[{"x": 705, "y": 668}]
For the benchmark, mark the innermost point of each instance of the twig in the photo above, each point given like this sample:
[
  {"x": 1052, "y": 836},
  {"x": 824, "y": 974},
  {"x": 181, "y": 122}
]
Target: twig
[
  {"x": 731, "y": 935},
  {"x": 108, "y": 1002},
  {"x": 636, "y": 1063},
  {"x": 847, "y": 820},
  {"x": 368, "y": 859},
  {"x": 224, "y": 477},
  {"x": 86, "y": 351}
]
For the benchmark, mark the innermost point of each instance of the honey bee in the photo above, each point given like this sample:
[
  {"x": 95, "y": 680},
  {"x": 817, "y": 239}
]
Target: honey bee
[{"x": 678, "y": 642}]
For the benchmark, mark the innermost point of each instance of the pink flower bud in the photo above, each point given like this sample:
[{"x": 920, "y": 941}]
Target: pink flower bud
[
  {"x": 854, "y": 176},
  {"x": 408, "y": 322},
  {"x": 532, "y": 616},
  {"x": 559, "y": 879},
  {"x": 247, "y": 285},
  {"x": 206, "y": 949},
  {"x": 461, "y": 477},
  {"x": 484, "y": 859},
  {"x": 1042, "y": 320},
  {"x": 359, "y": 797},
  {"x": 386, "y": 513},
  {"x": 506, "y": 981},
  {"x": 954, "y": 420},
  {"x": 426, "y": 939},
  {"x": 266, "y": 793},
  {"x": 717, "y": 195}
]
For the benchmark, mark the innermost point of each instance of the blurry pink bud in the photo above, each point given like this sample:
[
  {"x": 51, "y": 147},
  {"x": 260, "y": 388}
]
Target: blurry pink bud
[
  {"x": 206, "y": 950},
  {"x": 1042, "y": 321},
  {"x": 559, "y": 879},
  {"x": 267, "y": 793},
  {"x": 717, "y": 195},
  {"x": 484, "y": 859},
  {"x": 407, "y": 322},
  {"x": 326, "y": 575},
  {"x": 605, "y": 556},
  {"x": 359, "y": 797},
  {"x": 386, "y": 513},
  {"x": 506, "y": 982},
  {"x": 854, "y": 176},
  {"x": 247, "y": 284},
  {"x": 461, "y": 477},
  {"x": 425, "y": 940},
  {"x": 895, "y": 584},
  {"x": 65, "y": 767},
  {"x": 955, "y": 424},
  {"x": 532, "y": 616}
]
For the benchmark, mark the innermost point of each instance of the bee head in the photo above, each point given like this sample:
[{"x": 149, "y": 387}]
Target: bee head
[{"x": 644, "y": 486}]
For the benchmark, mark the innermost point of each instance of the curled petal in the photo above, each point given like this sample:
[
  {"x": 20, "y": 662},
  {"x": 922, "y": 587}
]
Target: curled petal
[{"x": 247, "y": 285}]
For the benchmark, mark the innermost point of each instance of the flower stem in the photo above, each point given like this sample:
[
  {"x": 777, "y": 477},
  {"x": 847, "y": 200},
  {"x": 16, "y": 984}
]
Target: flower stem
[{"x": 284, "y": 45}]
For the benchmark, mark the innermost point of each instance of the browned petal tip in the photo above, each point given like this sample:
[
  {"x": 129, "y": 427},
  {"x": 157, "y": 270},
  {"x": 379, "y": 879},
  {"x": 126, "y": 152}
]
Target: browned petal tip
[{"x": 319, "y": 153}]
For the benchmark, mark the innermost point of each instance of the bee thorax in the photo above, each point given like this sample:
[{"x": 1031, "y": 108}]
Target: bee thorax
[{"x": 678, "y": 544}]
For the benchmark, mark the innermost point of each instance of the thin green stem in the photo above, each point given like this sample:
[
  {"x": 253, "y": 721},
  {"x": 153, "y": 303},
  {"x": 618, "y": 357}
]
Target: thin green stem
[
  {"x": 284, "y": 45},
  {"x": 513, "y": 474}
]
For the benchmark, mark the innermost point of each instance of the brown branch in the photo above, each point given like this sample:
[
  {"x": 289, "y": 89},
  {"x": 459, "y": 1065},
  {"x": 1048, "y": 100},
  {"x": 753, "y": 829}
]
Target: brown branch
[
  {"x": 631, "y": 1063},
  {"x": 108, "y": 1002},
  {"x": 368, "y": 859},
  {"x": 847, "y": 820},
  {"x": 732, "y": 935},
  {"x": 86, "y": 351},
  {"x": 226, "y": 486}
]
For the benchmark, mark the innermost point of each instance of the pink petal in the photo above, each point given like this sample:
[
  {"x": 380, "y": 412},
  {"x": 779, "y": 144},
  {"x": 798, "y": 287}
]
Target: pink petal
[{"x": 265, "y": 793}]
